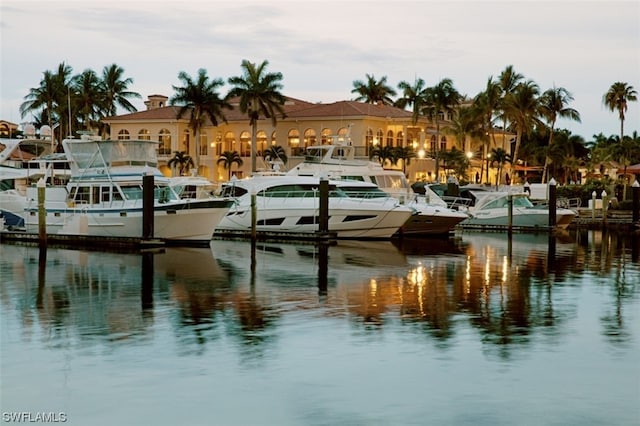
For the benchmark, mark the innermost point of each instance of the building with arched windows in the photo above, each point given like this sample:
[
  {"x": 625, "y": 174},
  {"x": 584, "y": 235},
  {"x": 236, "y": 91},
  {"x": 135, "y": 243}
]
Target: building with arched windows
[{"x": 364, "y": 126}]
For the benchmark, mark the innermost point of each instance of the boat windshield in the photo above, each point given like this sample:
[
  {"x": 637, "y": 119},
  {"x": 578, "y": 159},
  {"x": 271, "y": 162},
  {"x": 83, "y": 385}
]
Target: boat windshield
[
  {"x": 503, "y": 202},
  {"x": 363, "y": 192}
]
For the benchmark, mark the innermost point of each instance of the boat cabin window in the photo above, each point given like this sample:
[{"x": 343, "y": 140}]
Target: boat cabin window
[
  {"x": 297, "y": 191},
  {"x": 81, "y": 195},
  {"x": 132, "y": 192},
  {"x": 356, "y": 178},
  {"x": 390, "y": 181},
  {"x": 363, "y": 192},
  {"x": 313, "y": 155},
  {"x": 233, "y": 191}
]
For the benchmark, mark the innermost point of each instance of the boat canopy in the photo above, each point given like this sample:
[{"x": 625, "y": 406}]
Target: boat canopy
[{"x": 105, "y": 154}]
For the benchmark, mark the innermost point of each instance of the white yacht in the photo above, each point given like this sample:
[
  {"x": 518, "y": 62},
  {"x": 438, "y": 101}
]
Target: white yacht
[
  {"x": 22, "y": 163},
  {"x": 491, "y": 208},
  {"x": 291, "y": 204},
  {"x": 104, "y": 196},
  {"x": 338, "y": 162}
]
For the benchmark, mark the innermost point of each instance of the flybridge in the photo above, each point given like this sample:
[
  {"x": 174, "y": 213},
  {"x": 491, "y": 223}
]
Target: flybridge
[{"x": 90, "y": 153}]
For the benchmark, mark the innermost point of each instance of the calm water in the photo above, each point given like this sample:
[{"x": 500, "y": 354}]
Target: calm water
[{"x": 473, "y": 330}]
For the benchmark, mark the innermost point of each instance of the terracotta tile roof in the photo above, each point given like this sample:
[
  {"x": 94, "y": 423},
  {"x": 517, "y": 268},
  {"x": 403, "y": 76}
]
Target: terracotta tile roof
[
  {"x": 350, "y": 109},
  {"x": 294, "y": 109}
]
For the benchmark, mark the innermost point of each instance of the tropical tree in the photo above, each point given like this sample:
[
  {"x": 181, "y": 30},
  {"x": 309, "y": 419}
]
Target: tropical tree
[
  {"x": 199, "y": 100},
  {"x": 443, "y": 98},
  {"x": 507, "y": 81},
  {"x": 522, "y": 107},
  {"x": 553, "y": 105},
  {"x": 182, "y": 161},
  {"x": 500, "y": 157},
  {"x": 227, "y": 159},
  {"x": 373, "y": 91},
  {"x": 115, "y": 91},
  {"x": 88, "y": 97},
  {"x": 52, "y": 98},
  {"x": 404, "y": 153},
  {"x": 455, "y": 160},
  {"x": 486, "y": 104},
  {"x": 275, "y": 153},
  {"x": 617, "y": 98},
  {"x": 383, "y": 154},
  {"x": 260, "y": 96},
  {"x": 412, "y": 96}
]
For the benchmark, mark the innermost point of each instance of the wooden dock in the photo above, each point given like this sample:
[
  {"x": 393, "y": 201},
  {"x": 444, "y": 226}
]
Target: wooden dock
[{"x": 89, "y": 242}]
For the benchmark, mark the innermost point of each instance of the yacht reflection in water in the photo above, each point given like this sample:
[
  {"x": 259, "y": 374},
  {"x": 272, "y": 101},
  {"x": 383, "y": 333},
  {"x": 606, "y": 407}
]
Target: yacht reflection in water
[{"x": 506, "y": 289}]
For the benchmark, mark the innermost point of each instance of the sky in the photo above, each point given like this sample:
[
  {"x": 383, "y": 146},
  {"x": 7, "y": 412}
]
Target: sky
[{"x": 322, "y": 47}]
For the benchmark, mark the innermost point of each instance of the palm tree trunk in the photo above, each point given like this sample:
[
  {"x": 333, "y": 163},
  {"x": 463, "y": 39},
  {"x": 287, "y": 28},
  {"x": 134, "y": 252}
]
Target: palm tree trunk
[
  {"x": 197, "y": 145},
  {"x": 546, "y": 160},
  {"x": 254, "y": 137}
]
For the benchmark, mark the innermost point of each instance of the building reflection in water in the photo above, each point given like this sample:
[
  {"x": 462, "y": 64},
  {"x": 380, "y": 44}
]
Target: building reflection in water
[{"x": 508, "y": 290}]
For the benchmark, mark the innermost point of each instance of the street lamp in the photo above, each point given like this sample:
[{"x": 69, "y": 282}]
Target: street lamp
[{"x": 469, "y": 157}]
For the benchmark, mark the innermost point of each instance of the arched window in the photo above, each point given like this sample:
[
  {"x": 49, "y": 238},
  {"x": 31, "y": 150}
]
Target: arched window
[
  {"x": 390, "y": 138},
  {"x": 230, "y": 142},
  {"x": 204, "y": 146},
  {"x": 379, "y": 137},
  {"x": 185, "y": 141},
  {"x": 245, "y": 144},
  {"x": 144, "y": 135},
  {"x": 164, "y": 137},
  {"x": 261, "y": 142},
  {"x": 399, "y": 139},
  {"x": 342, "y": 135},
  {"x": 443, "y": 143},
  {"x": 293, "y": 140},
  {"x": 218, "y": 143},
  {"x": 123, "y": 134},
  {"x": 368, "y": 139},
  {"x": 309, "y": 137},
  {"x": 432, "y": 145},
  {"x": 326, "y": 137}
]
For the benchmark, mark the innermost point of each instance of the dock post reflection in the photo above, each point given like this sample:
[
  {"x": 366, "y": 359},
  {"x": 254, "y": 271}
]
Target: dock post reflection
[
  {"x": 551, "y": 251},
  {"x": 42, "y": 276},
  {"x": 323, "y": 269},
  {"x": 147, "y": 281}
]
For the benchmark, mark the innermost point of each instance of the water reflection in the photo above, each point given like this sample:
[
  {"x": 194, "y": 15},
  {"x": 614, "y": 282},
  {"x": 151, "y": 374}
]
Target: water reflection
[
  {"x": 338, "y": 328},
  {"x": 509, "y": 290}
]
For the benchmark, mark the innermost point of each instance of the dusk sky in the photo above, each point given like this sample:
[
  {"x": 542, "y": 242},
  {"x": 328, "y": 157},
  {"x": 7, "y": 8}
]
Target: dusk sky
[{"x": 321, "y": 47}]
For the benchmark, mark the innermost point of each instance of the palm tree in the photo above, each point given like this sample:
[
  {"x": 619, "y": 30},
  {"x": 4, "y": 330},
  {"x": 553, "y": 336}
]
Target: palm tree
[
  {"x": 182, "y": 161},
  {"x": 486, "y": 104},
  {"x": 200, "y": 100},
  {"x": 501, "y": 157},
  {"x": 508, "y": 80},
  {"x": 617, "y": 98},
  {"x": 443, "y": 98},
  {"x": 553, "y": 105},
  {"x": 522, "y": 108},
  {"x": 227, "y": 159},
  {"x": 260, "y": 96},
  {"x": 404, "y": 153},
  {"x": 51, "y": 97},
  {"x": 412, "y": 96},
  {"x": 373, "y": 91},
  {"x": 384, "y": 154},
  {"x": 274, "y": 153},
  {"x": 42, "y": 98},
  {"x": 116, "y": 92},
  {"x": 88, "y": 97}
]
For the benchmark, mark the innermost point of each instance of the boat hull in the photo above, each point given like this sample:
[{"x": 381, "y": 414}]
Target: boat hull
[
  {"x": 185, "y": 221},
  {"x": 521, "y": 218},
  {"x": 347, "y": 218}
]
